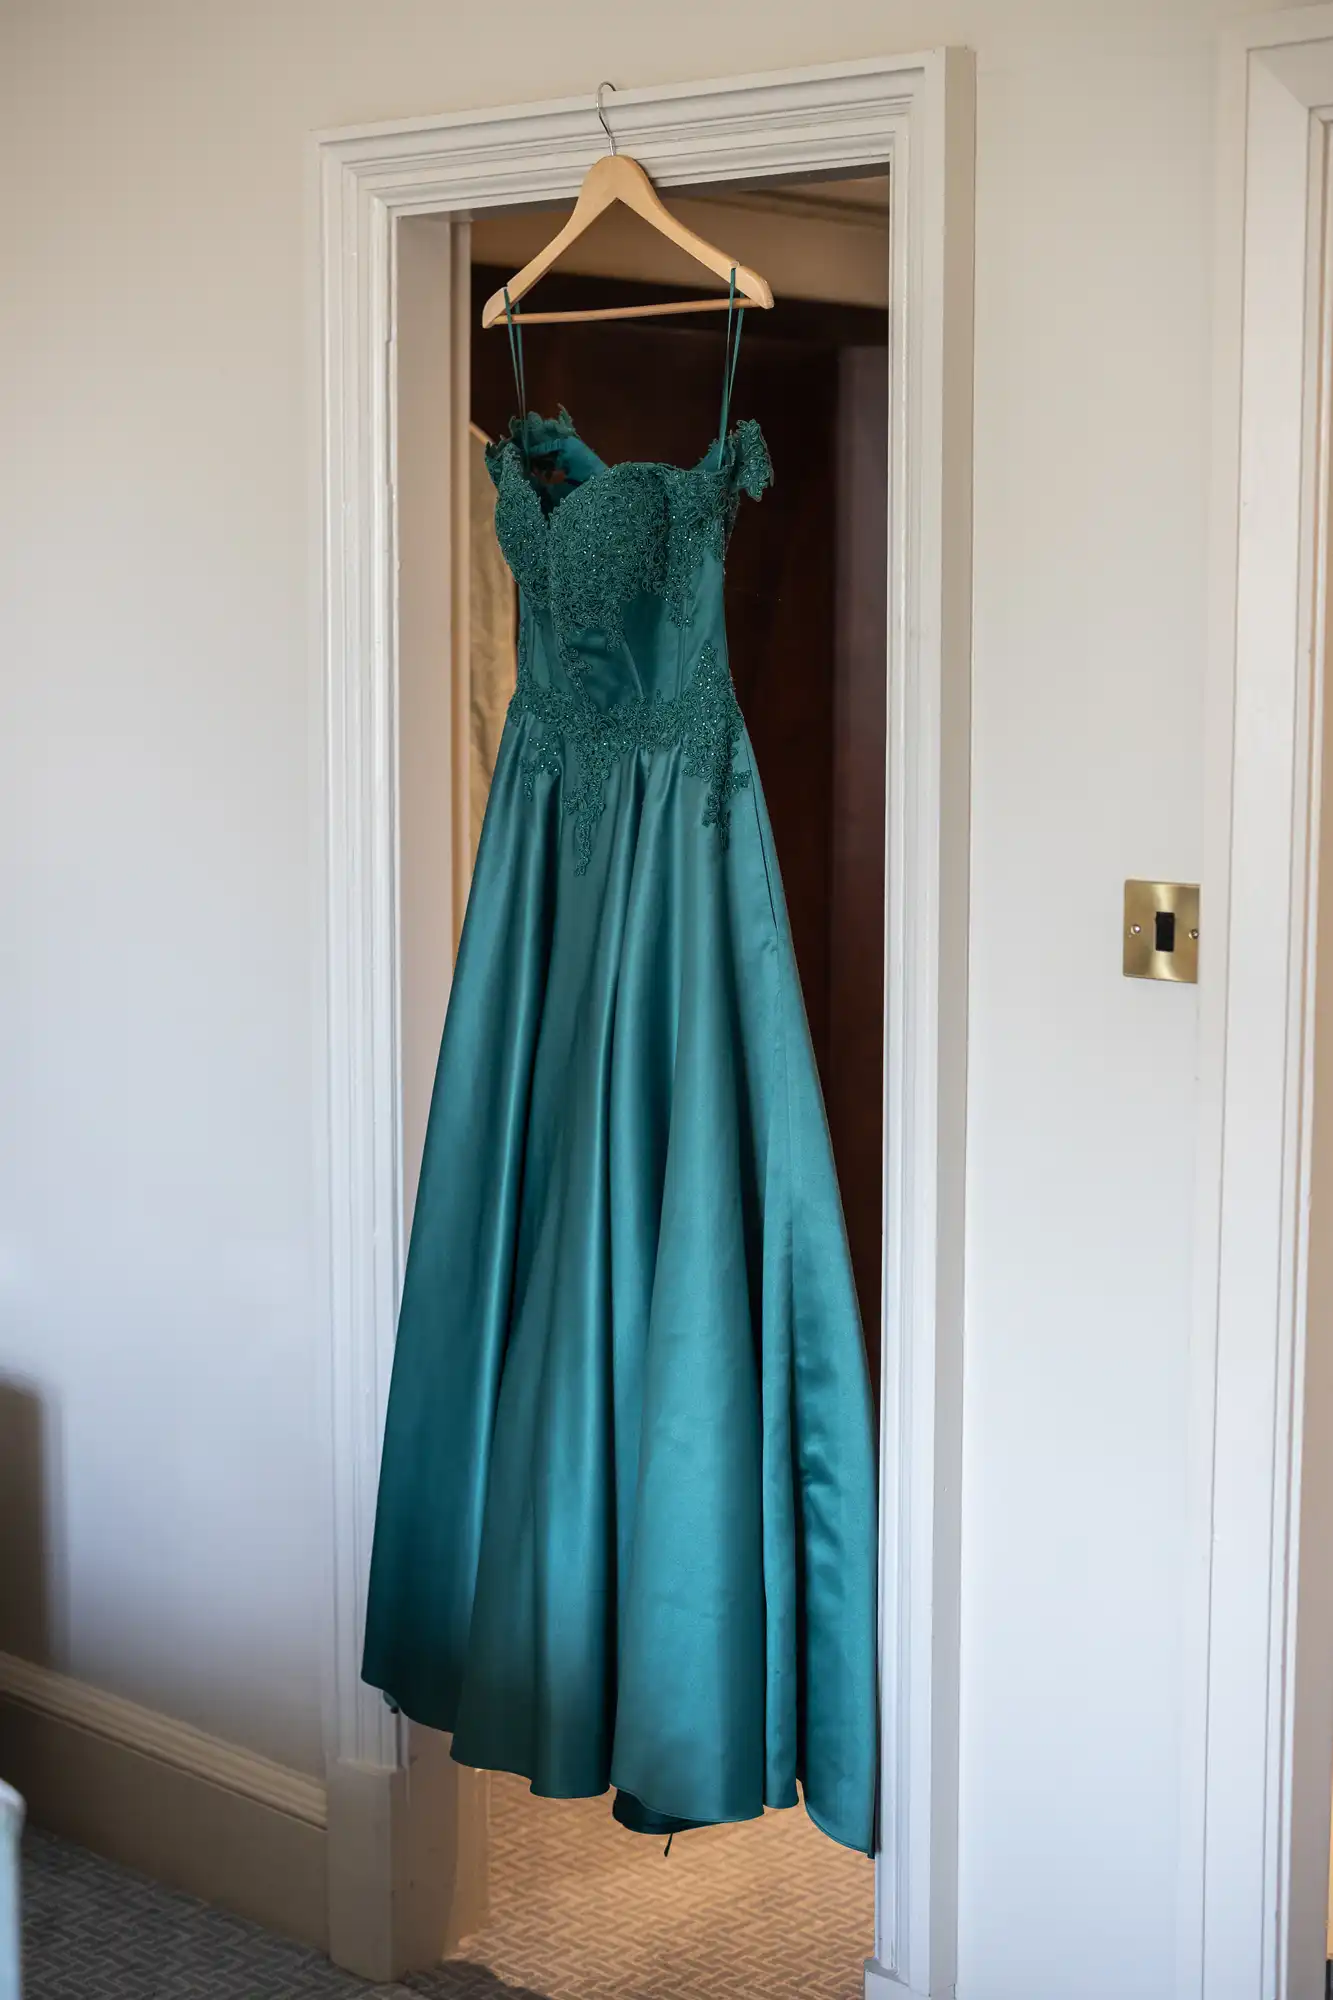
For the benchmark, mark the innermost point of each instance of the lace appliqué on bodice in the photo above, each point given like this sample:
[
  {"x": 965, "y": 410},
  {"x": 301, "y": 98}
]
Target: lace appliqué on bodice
[
  {"x": 584, "y": 550},
  {"x": 628, "y": 529},
  {"x": 704, "y": 719}
]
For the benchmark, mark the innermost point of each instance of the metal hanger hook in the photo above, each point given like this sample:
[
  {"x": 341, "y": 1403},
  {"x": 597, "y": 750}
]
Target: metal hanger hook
[{"x": 610, "y": 135}]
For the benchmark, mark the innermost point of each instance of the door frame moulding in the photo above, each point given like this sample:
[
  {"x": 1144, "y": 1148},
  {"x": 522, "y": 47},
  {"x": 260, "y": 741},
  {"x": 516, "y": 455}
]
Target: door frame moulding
[
  {"x": 1259, "y": 1697},
  {"x": 916, "y": 115}
]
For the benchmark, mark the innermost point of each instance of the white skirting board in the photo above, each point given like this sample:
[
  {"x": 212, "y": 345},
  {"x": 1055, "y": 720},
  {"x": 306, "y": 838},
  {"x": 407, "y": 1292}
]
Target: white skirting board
[{"x": 184, "y": 1807}]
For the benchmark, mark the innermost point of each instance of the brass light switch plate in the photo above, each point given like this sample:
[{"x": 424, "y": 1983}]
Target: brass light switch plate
[{"x": 1162, "y": 931}]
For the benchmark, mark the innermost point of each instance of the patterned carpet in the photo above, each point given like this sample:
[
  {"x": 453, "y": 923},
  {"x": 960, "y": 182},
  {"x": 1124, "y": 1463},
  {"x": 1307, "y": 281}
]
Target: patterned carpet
[{"x": 580, "y": 1910}]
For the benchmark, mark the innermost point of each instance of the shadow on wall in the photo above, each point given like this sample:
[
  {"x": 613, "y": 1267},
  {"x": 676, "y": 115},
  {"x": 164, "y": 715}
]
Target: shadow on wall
[{"x": 28, "y": 1543}]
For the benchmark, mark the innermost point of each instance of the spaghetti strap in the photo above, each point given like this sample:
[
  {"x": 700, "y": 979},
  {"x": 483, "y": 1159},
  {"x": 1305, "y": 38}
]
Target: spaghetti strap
[
  {"x": 730, "y": 356},
  {"x": 515, "y": 333}
]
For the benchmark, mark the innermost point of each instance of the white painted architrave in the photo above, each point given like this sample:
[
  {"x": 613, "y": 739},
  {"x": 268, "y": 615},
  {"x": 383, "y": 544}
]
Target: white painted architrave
[
  {"x": 1259, "y": 1697},
  {"x": 916, "y": 114}
]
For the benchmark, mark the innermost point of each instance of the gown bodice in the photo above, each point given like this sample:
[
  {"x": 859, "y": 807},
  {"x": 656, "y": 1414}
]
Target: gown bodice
[
  {"x": 622, "y": 642},
  {"x": 604, "y": 555}
]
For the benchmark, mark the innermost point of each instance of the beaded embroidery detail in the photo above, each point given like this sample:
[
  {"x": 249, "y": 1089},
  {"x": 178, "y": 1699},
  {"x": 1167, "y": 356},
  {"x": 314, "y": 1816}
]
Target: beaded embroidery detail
[
  {"x": 585, "y": 552},
  {"x": 704, "y": 719},
  {"x": 582, "y": 560}
]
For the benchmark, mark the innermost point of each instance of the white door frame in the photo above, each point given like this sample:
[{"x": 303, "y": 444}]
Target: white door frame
[
  {"x": 916, "y": 114},
  {"x": 1259, "y": 1704}
]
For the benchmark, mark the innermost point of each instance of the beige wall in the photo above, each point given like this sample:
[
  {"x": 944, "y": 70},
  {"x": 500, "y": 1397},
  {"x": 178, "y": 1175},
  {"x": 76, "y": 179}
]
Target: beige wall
[{"x": 162, "y": 893}]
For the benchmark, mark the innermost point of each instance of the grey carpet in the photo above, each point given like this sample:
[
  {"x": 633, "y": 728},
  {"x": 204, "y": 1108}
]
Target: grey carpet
[
  {"x": 92, "y": 1931},
  {"x": 579, "y": 1910}
]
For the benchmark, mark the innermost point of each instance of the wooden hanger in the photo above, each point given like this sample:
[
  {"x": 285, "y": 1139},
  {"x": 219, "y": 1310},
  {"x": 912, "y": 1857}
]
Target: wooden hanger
[{"x": 617, "y": 177}]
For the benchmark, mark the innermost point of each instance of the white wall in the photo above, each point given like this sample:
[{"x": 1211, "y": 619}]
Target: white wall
[{"x": 161, "y": 895}]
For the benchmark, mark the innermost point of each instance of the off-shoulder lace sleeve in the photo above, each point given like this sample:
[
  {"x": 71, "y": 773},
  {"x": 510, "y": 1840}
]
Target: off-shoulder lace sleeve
[{"x": 747, "y": 459}]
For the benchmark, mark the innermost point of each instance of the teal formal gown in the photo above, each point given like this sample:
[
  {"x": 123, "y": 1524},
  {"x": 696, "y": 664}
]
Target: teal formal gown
[{"x": 626, "y": 1527}]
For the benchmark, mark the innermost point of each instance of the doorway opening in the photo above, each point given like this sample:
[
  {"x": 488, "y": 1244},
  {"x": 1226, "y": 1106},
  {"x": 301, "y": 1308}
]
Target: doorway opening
[
  {"x": 383, "y": 631},
  {"x": 572, "y": 1904}
]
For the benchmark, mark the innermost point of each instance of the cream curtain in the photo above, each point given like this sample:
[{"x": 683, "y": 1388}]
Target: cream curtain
[{"x": 492, "y": 664}]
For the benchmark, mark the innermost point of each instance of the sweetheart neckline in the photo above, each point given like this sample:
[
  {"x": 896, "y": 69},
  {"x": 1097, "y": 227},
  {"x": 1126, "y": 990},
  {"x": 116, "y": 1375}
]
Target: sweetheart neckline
[{"x": 554, "y": 429}]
